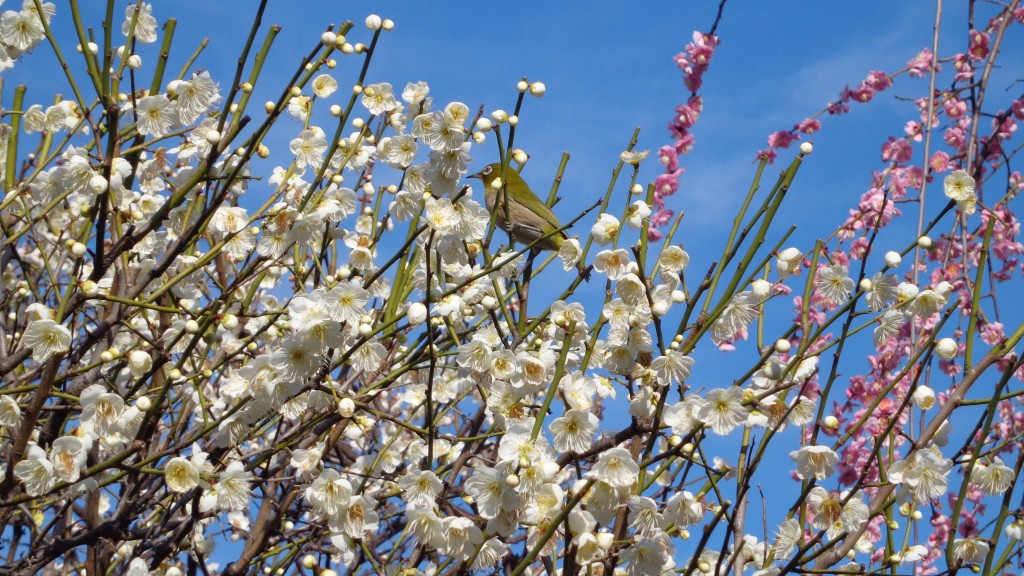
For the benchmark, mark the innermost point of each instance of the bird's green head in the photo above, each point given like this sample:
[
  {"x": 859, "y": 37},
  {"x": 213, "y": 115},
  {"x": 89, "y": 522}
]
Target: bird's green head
[{"x": 489, "y": 173}]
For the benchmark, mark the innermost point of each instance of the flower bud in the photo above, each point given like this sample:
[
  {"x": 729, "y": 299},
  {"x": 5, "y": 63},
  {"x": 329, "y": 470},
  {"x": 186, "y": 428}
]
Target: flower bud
[
  {"x": 782, "y": 346},
  {"x": 906, "y": 292},
  {"x": 328, "y": 39},
  {"x": 806, "y": 148},
  {"x": 924, "y": 242},
  {"x": 346, "y": 407},
  {"x": 523, "y": 86},
  {"x": 373, "y": 22},
  {"x": 537, "y": 89},
  {"x": 98, "y": 183},
  {"x": 893, "y": 259},
  {"x": 417, "y": 314},
  {"x": 761, "y": 287},
  {"x": 139, "y": 362},
  {"x": 946, "y": 348},
  {"x": 659, "y": 309}
]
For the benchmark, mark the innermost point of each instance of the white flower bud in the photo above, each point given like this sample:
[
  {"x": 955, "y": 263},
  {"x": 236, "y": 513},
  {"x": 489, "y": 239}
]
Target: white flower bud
[
  {"x": 134, "y": 62},
  {"x": 212, "y": 136},
  {"x": 678, "y": 296},
  {"x": 229, "y": 321},
  {"x": 523, "y": 86},
  {"x": 499, "y": 116},
  {"x": 512, "y": 480},
  {"x": 923, "y": 397},
  {"x": 537, "y": 89},
  {"x": 139, "y": 362},
  {"x": 946, "y": 348},
  {"x": 659, "y": 309},
  {"x": 806, "y": 148},
  {"x": 417, "y": 314},
  {"x": 782, "y": 346},
  {"x": 484, "y": 124},
  {"x": 328, "y": 39},
  {"x": 761, "y": 287},
  {"x": 830, "y": 423},
  {"x": 866, "y": 284},
  {"x": 906, "y": 291},
  {"x": 924, "y": 242},
  {"x": 308, "y": 561},
  {"x": 346, "y": 407},
  {"x": 513, "y": 120},
  {"x": 144, "y": 403},
  {"x": 98, "y": 184},
  {"x": 373, "y": 22},
  {"x": 893, "y": 259},
  {"x": 78, "y": 249}
]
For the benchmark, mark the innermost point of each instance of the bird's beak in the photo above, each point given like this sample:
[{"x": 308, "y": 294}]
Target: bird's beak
[{"x": 478, "y": 176}]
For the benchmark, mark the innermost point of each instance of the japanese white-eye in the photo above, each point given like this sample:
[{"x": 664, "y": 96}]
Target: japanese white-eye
[{"x": 530, "y": 217}]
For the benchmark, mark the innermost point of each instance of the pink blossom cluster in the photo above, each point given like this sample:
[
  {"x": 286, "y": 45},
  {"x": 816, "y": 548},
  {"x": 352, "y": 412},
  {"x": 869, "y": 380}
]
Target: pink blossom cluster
[
  {"x": 694, "y": 63},
  {"x": 879, "y": 399}
]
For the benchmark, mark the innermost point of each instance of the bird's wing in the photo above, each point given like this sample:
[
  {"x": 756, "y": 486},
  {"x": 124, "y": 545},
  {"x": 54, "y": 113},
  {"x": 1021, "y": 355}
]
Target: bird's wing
[{"x": 535, "y": 204}]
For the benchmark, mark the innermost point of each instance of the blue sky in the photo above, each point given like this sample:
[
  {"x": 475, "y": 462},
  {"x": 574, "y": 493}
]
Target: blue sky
[{"x": 608, "y": 69}]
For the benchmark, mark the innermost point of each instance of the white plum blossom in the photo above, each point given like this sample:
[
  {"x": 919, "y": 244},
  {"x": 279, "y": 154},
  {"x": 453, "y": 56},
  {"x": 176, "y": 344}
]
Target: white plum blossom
[
  {"x": 616, "y": 467},
  {"x": 816, "y": 462}
]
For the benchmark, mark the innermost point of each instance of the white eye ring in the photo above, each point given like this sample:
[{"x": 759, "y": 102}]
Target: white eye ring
[{"x": 487, "y": 170}]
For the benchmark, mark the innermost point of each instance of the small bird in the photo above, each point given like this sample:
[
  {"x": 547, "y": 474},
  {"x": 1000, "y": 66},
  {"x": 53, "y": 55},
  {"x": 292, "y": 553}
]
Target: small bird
[{"x": 531, "y": 218}]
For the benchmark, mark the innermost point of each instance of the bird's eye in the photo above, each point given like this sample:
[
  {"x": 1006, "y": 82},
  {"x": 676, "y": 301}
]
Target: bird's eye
[{"x": 487, "y": 170}]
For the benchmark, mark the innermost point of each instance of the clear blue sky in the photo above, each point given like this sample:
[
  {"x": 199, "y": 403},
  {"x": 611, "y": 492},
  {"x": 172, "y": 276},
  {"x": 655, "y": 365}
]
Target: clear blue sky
[{"x": 608, "y": 69}]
